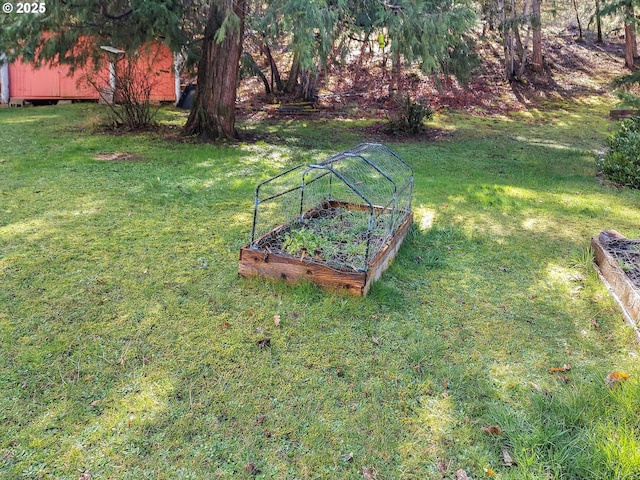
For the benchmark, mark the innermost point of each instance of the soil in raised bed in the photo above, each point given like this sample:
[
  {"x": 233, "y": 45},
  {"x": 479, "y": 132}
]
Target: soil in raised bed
[
  {"x": 627, "y": 254},
  {"x": 335, "y": 236}
]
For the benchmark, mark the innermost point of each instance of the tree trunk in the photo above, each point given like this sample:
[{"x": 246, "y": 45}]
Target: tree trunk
[
  {"x": 308, "y": 86},
  {"x": 396, "y": 72},
  {"x": 575, "y": 7},
  {"x": 598, "y": 23},
  {"x": 213, "y": 115},
  {"x": 507, "y": 41},
  {"x": 524, "y": 47},
  {"x": 292, "y": 81},
  {"x": 536, "y": 26},
  {"x": 275, "y": 73},
  {"x": 629, "y": 37}
]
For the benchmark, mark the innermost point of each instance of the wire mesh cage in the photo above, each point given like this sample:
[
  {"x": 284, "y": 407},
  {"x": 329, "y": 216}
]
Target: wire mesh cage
[{"x": 341, "y": 213}]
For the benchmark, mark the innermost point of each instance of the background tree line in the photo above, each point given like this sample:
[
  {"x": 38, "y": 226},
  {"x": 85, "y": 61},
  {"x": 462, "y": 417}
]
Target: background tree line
[{"x": 436, "y": 35}]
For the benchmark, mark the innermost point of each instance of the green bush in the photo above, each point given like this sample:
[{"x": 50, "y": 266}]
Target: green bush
[
  {"x": 410, "y": 116},
  {"x": 621, "y": 164}
]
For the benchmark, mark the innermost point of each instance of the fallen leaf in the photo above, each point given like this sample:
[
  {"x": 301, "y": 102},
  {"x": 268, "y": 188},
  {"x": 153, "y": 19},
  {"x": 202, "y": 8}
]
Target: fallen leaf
[
  {"x": 251, "y": 468},
  {"x": 260, "y": 420},
  {"x": 565, "y": 368},
  {"x": 492, "y": 430},
  {"x": 348, "y": 457},
  {"x": 276, "y": 320},
  {"x": 368, "y": 474},
  {"x": 595, "y": 324},
  {"x": 507, "y": 460},
  {"x": 443, "y": 467},
  {"x": 375, "y": 340},
  {"x": 264, "y": 342},
  {"x": 462, "y": 475},
  {"x": 503, "y": 269},
  {"x": 95, "y": 403},
  {"x": 564, "y": 379},
  {"x": 615, "y": 378},
  {"x": 225, "y": 325},
  {"x": 85, "y": 476}
]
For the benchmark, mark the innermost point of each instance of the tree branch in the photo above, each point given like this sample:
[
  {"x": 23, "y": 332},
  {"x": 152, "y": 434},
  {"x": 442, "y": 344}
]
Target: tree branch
[{"x": 104, "y": 13}]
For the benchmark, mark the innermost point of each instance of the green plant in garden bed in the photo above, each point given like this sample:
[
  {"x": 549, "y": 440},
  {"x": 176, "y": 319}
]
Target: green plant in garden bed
[
  {"x": 304, "y": 242},
  {"x": 337, "y": 236},
  {"x": 129, "y": 347}
]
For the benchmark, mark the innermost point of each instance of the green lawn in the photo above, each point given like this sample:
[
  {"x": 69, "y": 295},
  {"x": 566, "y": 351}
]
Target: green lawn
[{"x": 131, "y": 349}]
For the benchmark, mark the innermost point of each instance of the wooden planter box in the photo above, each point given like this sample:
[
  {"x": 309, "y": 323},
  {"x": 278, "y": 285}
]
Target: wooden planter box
[
  {"x": 255, "y": 261},
  {"x": 624, "y": 114},
  {"x": 619, "y": 284}
]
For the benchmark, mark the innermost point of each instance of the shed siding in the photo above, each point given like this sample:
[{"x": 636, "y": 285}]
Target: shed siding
[{"x": 51, "y": 82}]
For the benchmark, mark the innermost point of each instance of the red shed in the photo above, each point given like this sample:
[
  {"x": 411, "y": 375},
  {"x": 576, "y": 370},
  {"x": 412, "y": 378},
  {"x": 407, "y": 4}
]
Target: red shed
[{"x": 55, "y": 82}]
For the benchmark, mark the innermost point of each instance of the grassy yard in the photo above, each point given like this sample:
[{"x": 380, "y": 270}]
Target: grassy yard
[{"x": 131, "y": 349}]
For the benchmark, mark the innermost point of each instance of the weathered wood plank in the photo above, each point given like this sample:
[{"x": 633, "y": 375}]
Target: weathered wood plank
[
  {"x": 621, "y": 114},
  {"x": 293, "y": 270},
  {"x": 383, "y": 259},
  {"x": 621, "y": 287}
]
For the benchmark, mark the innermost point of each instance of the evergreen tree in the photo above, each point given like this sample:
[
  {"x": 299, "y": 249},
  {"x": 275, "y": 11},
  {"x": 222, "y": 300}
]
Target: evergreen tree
[
  {"x": 213, "y": 112},
  {"x": 434, "y": 33},
  {"x": 625, "y": 9}
]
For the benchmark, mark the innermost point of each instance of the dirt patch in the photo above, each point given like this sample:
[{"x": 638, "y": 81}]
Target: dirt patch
[
  {"x": 381, "y": 130},
  {"x": 118, "y": 157}
]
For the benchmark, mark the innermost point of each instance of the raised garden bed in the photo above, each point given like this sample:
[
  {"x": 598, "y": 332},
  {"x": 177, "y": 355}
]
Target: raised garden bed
[
  {"x": 618, "y": 262},
  {"x": 320, "y": 249},
  {"x": 336, "y": 223}
]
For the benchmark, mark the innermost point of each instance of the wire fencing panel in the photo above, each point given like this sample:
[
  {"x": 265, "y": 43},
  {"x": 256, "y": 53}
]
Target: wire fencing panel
[{"x": 340, "y": 212}]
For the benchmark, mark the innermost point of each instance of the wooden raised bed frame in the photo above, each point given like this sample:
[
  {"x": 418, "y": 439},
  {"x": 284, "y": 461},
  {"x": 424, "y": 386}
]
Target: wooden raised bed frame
[
  {"x": 294, "y": 270},
  {"x": 620, "y": 286}
]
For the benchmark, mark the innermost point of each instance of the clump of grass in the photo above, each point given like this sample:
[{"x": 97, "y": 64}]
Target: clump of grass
[{"x": 582, "y": 259}]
